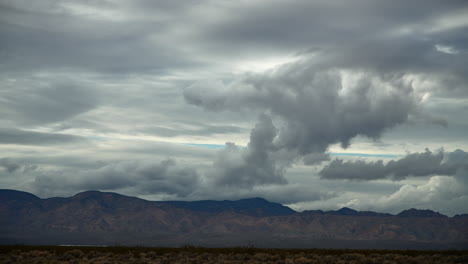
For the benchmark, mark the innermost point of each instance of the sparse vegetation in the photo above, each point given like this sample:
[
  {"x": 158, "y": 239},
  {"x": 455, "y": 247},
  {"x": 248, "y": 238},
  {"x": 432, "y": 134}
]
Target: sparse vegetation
[{"x": 191, "y": 254}]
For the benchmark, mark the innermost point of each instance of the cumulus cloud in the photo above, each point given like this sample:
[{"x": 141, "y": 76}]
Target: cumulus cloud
[
  {"x": 318, "y": 107},
  {"x": 314, "y": 108},
  {"x": 253, "y": 165},
  {"x": 415, "y": 164},
  {"x": 446, "y": 194},
  {"x": 438, "y": 188}
]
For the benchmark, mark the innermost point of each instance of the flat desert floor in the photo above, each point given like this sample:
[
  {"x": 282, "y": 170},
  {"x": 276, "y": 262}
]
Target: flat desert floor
[{"x": 190, "y": 254}]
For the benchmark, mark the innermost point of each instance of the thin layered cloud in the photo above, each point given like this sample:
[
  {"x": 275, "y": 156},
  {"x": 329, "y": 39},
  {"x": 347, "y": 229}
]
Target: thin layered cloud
[{"x": 23, "y": 137}]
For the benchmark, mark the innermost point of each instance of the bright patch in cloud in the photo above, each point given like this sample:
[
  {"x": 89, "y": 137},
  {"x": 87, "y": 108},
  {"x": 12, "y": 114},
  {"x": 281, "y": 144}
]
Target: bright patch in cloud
[{"x": 446, "y": 49}]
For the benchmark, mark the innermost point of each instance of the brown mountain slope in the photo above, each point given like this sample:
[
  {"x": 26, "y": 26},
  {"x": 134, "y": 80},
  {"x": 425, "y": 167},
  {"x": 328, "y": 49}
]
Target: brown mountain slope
[{"x": 109, "y": 218}]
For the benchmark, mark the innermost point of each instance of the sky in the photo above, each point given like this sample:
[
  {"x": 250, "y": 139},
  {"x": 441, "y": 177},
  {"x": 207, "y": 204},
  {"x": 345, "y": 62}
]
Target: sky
[{"x": 312, "y": 104}]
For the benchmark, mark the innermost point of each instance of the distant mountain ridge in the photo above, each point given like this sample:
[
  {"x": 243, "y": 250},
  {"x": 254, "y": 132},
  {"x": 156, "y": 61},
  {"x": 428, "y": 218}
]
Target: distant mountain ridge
[
  {"x": 251, "y": 206},
  {"x": 94, "y": 217},
  {"x": 420, "y": 213},
  {"x": 6, "y": 194},
  {"x": 346, "y": 211}
]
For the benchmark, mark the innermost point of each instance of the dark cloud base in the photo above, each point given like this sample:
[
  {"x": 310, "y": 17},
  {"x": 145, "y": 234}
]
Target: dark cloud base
[{"x": 415, "y": 164}]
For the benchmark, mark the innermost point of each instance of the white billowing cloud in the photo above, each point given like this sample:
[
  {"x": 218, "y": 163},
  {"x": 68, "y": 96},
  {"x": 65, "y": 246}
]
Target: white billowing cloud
[
  {"x": 441, "y": 193},
  {"x": 445, "y": 194},
  {"x": 437, "y": 188}
]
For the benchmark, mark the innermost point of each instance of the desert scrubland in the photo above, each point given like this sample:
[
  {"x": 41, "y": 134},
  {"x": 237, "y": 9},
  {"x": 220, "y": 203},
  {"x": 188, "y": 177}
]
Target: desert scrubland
[{"x": 189, "y": 254}]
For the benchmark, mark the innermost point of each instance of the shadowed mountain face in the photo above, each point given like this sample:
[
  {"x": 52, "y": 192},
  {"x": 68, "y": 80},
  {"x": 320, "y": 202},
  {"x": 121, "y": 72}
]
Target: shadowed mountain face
[
  {"x": 108, "y": 218},
  {"x": 254, "y": 207},
  {"x": 420, "y": 213}
]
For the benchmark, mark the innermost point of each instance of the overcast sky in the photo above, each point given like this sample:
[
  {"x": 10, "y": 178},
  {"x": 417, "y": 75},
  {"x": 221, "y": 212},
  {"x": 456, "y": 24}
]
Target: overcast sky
[{"x": 313, "y": 104}]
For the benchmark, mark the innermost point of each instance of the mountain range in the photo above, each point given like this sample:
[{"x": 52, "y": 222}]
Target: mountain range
[{"x": 104, "y": 218}]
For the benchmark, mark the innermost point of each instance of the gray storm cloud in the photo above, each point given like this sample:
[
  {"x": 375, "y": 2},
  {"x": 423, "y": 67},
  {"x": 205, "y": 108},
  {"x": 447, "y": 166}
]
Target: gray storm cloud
[
  {"x": 315, "y": 158},
  {"x": 416, "y": 164},
  {"x": 253, "y": 165},
  {"x": 317, "y": 107},
  {"x": 314, "y": 108}
]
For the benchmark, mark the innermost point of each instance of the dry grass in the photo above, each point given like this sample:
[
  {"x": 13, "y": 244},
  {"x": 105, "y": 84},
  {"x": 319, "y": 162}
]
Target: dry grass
[{"x": 196, "y": 255}]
